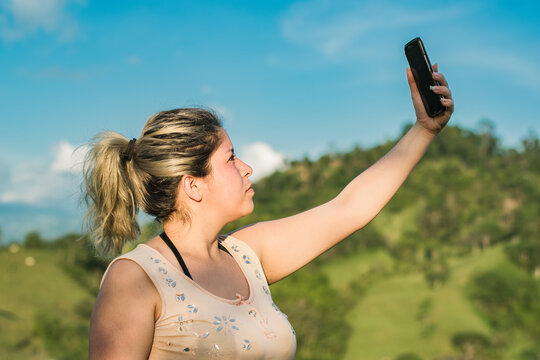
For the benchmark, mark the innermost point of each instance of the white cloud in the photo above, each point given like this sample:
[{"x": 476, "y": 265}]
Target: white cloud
[
  {"x": 23, "y": 17},
  {"x": 63, "y": 153},
  {"x": 33, "y": 182},
  {"x": 45, "y": 179},
  {"x": 262, "y": 158},
  {"x": 44, "y": 13},
  {"x": 68, "y": 158},
  {"x": 332, "y": 28}
]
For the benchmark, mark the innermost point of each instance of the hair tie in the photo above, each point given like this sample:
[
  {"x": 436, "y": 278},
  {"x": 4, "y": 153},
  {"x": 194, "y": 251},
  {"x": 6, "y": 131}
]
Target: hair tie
[{"x": 128, "y": 154}]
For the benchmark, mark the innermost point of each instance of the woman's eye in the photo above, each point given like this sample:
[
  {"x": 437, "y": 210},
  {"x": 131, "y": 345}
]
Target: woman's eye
[{"x": 232, "y": 158}]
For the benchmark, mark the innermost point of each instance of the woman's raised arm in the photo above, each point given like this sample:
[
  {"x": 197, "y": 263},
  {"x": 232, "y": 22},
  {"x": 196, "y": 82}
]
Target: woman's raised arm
[{"x": 287, "y": 244}]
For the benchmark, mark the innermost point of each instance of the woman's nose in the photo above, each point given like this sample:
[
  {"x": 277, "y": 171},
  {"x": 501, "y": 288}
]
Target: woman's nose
[{"x": 247, "y": 170}]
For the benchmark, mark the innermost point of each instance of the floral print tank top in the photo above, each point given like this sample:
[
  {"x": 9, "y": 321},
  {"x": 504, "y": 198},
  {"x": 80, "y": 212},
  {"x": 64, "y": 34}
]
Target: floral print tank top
[{"x": 196, "y": 324}]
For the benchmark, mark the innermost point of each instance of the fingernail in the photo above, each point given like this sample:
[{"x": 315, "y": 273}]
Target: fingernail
[{"x": 431, "y": 87}]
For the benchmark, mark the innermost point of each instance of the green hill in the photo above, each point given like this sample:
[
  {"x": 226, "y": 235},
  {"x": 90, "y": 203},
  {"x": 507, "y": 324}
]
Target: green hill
[
  {"x": 37, "y": 296},
  {"x": 405, "y": 315},
  {"x": 450, "y": 269}
]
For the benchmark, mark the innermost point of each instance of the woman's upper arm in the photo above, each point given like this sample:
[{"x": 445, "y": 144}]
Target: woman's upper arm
[
  {"x": 285, "y": 245},
  {"x": 122, "y": 324}
]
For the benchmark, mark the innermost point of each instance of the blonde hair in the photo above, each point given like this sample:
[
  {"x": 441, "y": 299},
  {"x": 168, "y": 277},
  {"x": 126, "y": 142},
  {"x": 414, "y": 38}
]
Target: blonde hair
[{"x": 120, "y": 177}]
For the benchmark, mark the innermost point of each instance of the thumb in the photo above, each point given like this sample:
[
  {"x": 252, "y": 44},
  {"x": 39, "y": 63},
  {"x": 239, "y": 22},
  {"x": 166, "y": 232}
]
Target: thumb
[{"x": 412, "y": 82}]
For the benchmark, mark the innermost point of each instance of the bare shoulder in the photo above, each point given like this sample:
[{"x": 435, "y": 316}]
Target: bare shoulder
[
  {"x": 122, "y": 323},
  {"x": 251, "y": 235},
  {"x": 126, "y": 275}
]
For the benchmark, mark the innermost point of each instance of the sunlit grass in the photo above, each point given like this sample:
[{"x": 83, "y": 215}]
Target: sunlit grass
[
  {"x": 26, "y": 289},
  {"x": 389, "y": 320}
]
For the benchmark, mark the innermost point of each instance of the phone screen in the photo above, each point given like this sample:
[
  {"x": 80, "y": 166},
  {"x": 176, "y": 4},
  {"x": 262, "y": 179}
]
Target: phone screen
[{"x": 422, "y": 72}]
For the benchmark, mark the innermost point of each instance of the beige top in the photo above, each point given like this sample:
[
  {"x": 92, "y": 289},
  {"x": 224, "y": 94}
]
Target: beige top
[{"x": 195, "y": 323}]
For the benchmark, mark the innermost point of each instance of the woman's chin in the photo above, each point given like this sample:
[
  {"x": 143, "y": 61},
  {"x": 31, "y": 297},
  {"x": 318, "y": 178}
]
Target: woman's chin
[{"x": 248, "y": 211}]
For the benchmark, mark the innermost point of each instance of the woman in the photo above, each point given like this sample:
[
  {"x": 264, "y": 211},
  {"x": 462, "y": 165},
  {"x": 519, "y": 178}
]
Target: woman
[{"x": 190, "y": 292}]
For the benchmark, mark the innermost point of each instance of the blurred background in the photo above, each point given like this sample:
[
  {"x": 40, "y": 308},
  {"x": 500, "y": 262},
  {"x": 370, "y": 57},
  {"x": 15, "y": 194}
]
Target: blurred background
[{"x": 311, "y": 93}]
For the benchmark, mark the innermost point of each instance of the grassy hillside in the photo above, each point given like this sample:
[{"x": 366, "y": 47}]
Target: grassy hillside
[
  {"x": 402, "y": 314},
  {"x": 450, "y": 269},
  {"x": 38, "y": 294}
]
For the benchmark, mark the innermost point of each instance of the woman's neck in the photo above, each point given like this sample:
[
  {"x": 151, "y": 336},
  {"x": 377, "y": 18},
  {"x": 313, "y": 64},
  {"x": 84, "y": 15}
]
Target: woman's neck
[{"x": 195, "y": 240}]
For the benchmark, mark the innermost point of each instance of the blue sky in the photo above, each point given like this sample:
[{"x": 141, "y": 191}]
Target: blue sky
[{"x": 288, "y": 78}]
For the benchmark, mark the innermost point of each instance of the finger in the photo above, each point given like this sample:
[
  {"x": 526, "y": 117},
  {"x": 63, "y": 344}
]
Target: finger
[
  {"x": 442, "y": 90},
  {"x": 440, "y": 78},
  {"x": 449, "y": 103},
  {"x": 436, "y": 67}
]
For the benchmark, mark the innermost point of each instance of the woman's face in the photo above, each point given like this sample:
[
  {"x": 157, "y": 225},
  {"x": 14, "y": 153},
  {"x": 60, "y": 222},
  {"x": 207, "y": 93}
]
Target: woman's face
[{"x": 228, "y": 189}]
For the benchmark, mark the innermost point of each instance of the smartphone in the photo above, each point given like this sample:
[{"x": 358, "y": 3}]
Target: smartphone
[{"x": 422, "y": 72}]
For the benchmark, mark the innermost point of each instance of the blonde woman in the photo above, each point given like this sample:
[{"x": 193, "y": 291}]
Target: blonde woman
[{"x": 190, "y": 292}]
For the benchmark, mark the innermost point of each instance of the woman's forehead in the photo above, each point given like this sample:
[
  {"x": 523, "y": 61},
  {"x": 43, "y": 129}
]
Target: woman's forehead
[{"x": 226, "y": 144}]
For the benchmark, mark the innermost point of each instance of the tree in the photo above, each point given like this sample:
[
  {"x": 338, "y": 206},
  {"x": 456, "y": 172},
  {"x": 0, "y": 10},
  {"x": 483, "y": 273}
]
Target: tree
[
  {"x": 473, "y": 345},
  {"x": 526, "y": 254},
  {"x": 488, "y": 141},
  {"x": 531, "y": 151},
  {"x": 33, "y": 240},
  {"x": 508, "y": 298}
]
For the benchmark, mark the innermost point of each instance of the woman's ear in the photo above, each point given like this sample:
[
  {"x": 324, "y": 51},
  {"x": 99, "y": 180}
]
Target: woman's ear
[{"x": 191, "y": 186}]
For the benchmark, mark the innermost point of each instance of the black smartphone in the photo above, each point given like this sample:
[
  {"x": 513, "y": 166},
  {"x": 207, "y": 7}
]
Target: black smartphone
[{"x": 422, "y": 71}]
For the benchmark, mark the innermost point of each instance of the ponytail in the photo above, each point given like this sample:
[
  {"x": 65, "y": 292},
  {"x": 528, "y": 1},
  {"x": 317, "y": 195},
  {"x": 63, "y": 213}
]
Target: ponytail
[{"x": 109, "y": 192}]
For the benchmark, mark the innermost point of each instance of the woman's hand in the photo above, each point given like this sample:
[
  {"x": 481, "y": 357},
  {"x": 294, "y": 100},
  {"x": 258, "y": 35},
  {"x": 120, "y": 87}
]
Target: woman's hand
[{"x": 432, "y": 124}]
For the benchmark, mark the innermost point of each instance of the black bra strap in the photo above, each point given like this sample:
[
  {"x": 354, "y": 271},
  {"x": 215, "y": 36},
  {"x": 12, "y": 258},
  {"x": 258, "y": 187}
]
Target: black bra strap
[
  {"x": 179, "y": 257},
  {"x": 176, "y": 253}
]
